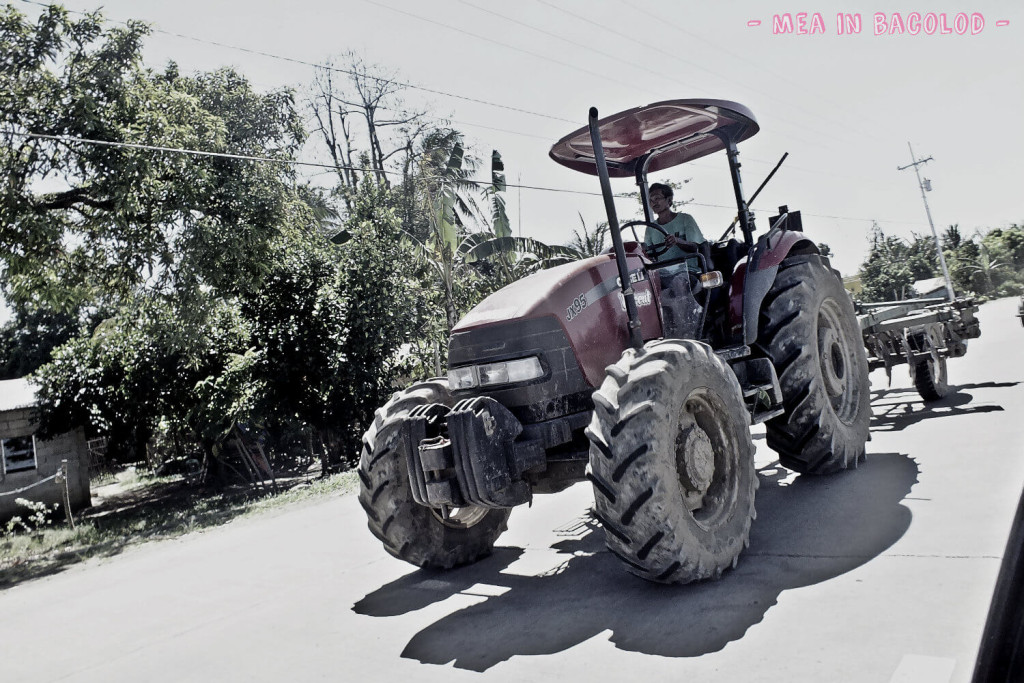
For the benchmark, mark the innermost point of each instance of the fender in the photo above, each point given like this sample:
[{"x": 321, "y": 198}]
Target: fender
[{"x": 755, "y": 275}]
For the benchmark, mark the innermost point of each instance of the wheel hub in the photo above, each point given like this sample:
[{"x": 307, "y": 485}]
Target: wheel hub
[
  {"x": 696, "y": 465},
  {"x": 833, "y": 366},
  {"x": 459, "y": 517}
]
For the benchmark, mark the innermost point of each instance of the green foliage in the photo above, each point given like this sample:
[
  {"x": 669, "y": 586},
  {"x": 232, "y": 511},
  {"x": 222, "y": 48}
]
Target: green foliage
[
  {"x": 184, "y": 295},
  {"x": 328, "y": 325},
  {"x": 38, "y": 517},
  {"x": 989, "y": 264},
  {"x": 383, "y": 313},
  {"x": 589, "y": 242},
  {"x": 29, "y": 337},
  {"x": 138, "y": 367},
  {"x": 886, "y": 275},
  {"x": 80, "y": 221}
]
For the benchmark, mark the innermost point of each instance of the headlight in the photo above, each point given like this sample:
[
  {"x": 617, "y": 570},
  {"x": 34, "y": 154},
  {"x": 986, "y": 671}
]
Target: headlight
[{"x": 490, "y": 374}]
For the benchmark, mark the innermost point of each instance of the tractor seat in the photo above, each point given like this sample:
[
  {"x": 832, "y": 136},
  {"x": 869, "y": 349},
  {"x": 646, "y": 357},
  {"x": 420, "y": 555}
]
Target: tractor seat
[{"x": 725, "y": 256}]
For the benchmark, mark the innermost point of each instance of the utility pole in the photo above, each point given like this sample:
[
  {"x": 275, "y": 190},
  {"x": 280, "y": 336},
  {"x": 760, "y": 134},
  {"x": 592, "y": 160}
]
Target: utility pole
[
  {"x": 519, "y": 205},
  {"x": 926, "y": 185}
]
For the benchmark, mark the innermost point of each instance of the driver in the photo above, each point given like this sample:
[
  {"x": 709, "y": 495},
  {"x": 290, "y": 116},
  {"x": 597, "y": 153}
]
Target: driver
[
  {"x": 680, "y": 309},
  {"x": 679, "y": 226}
]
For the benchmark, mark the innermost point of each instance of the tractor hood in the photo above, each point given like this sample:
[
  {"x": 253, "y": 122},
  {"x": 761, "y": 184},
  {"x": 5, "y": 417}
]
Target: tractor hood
[
  {"x": 671, "y": 132},
  {"x": 585, "y": 300}
]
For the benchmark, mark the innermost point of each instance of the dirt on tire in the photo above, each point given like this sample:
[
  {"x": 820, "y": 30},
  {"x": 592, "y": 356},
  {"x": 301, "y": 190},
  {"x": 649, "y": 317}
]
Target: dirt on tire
[
  {"x": 417, "y": 534},
  {"x": 672, "y": 462},
  {"x": 809, "y": 329}
]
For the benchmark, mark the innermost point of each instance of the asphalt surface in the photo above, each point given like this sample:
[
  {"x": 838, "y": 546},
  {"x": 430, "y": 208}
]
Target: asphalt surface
[{"x": 878, "y": 574}]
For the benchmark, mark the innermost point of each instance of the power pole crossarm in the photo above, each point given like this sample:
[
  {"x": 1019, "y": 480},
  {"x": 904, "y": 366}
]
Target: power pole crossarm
[{"x": 942, "y": 259}]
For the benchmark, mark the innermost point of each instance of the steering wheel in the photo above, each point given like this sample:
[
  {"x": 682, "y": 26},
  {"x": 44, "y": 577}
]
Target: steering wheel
[{"x": 657, "y": 250}]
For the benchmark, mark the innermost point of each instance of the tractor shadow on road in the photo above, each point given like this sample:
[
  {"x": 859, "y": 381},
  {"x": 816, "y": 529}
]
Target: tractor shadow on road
[
  {"x": 896, "y": 409},
  {"x": 536, "y": 602}
]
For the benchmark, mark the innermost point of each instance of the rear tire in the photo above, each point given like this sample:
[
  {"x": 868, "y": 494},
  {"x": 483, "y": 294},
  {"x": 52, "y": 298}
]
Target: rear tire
[
  {"x": 410, "y": 531},
  {"x": 930, "y": 379},
  {"x": 809, "y": 329},
  {"x": 672, "y": 462}
]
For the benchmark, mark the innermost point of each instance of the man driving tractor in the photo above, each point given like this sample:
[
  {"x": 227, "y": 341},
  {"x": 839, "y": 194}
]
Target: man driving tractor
[{"x": 677, "y": 226}]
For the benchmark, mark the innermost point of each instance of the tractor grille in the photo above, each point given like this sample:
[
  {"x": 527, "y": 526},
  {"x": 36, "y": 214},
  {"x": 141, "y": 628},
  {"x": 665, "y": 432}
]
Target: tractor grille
[{"x": 561, "y": 391}]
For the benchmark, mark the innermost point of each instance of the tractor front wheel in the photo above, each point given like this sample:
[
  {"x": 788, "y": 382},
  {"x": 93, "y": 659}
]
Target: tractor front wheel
[
  {"x": 420, "y": 535},
  {"x": 672, "y": 462}
]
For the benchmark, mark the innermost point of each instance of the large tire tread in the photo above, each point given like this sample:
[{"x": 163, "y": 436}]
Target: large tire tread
[
  {"x": 638, "y": 496},
  {"x": 929, "y": 386},
  {"x": 811, "y": 437},
  {"x": 408, "y": 530}
]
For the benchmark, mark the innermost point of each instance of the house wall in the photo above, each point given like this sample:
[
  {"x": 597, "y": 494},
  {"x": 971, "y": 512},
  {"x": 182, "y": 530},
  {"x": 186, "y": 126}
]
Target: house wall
[{"x": 49, "y": 454}]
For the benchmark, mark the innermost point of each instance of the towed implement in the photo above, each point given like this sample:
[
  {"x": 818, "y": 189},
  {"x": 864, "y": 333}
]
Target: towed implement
[
  {"x": 636, "y": 371},
  {"x": 922, "y": 333}
]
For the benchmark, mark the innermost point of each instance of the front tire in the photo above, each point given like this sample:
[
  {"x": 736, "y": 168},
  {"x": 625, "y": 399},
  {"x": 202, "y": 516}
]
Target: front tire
[
  {"x": 412, "y": 532},
  {"x": 672, "y": 462},
  {"x": 809, "y": 329}
]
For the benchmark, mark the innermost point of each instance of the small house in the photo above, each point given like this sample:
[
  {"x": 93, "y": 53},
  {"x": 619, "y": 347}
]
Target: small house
[
  {"x": 28, "y": 464},
  {"x": 930, "y": 288}
]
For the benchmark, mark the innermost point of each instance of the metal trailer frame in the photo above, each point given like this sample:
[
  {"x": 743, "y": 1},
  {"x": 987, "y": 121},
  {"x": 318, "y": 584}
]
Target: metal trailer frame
[{"x": 916, "y": 330}]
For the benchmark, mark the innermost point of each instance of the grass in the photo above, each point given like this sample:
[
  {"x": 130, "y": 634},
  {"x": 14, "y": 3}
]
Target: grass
[{"x": 144, "y": 509}]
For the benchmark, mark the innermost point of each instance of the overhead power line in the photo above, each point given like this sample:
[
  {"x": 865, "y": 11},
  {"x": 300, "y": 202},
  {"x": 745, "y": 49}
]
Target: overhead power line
[
  {"x": 334, "y": 167},
  {"x": 331, "y": 67},
  {"x": 538, "y": 55},
  {"x": 261, "y": 159}
]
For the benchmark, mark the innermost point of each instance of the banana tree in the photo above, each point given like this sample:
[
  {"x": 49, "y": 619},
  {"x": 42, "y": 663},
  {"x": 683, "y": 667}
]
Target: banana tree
[{"x": 468, "y": 264}]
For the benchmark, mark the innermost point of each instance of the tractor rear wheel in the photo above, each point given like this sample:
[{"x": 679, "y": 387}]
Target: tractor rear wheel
[
  {"x": 672, "y": 462},
  {"x": 412, "y": 532},
  {"x": 809, "y": 329}
]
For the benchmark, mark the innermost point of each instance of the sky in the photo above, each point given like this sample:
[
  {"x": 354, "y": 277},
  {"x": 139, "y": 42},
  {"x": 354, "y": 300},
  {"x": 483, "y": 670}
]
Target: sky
[{"x": 518, "y": 76}]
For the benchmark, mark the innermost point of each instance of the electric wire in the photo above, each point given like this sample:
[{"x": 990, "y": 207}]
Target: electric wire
[
  {"x": 364, "y": 74},
  {"x": 507, "y": 46},
  {"x": 649, "y": 45},
  {"x": 301, "y": 62},
  {"x": 719, "y": 48},
  {"x": 333, "y": 167}
]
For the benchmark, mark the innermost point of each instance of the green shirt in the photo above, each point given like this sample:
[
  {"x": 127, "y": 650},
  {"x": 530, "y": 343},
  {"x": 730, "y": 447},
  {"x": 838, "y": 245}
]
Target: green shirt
[{"x": 682, "y": 226}]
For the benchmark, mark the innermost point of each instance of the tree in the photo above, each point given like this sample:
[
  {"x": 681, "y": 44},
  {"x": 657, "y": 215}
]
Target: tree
[
  {"x": 330, "y": 324},
  {"x": 1004, "y": 254},
  {"x": 110, "y": 218},
  {"x": 885, "y": 274},
  {"x": 589, "y": 242},
  {"x": 153, "y": 246},
  {"x": 364, "y": 125},
  {"x": 138, "y": 367},
  {"x": 923, "y": 258},
  {"x": 28, "y": 339}
]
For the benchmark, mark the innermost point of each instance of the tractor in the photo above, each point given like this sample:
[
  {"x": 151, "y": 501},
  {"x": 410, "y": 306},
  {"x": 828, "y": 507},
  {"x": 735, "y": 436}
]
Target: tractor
[{"x": 597, "y": 370}]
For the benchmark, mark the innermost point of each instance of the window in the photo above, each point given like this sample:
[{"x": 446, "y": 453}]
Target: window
[{"x": 19, "y": 453}]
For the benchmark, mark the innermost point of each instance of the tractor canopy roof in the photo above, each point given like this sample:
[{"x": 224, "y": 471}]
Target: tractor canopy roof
[{"x": 671, "y": 132}]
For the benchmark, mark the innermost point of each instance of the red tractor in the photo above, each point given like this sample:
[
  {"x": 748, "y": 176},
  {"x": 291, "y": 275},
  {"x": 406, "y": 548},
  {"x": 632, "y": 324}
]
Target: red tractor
[{"x": 596, "y": 370}]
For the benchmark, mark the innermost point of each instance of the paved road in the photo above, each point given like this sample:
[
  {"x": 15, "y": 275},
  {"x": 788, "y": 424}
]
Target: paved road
[{"x": 879, "y": 574}]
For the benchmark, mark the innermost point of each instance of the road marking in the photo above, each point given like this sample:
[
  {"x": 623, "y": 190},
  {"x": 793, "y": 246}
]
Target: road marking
[{"x": 921, "y": 669}]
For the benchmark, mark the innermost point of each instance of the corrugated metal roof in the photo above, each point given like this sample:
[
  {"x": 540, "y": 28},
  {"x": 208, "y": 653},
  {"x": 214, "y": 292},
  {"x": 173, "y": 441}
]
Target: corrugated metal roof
[
  {"x": 17, "y": 393},
  {"x": 929, "y": 285}
]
